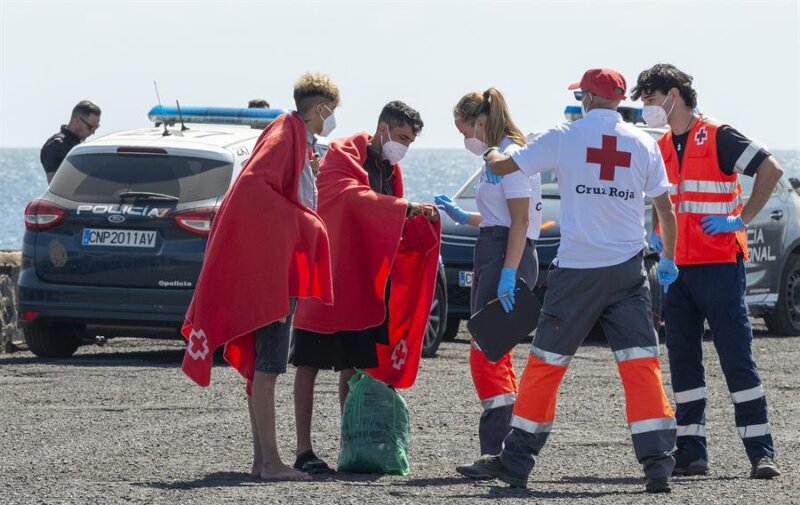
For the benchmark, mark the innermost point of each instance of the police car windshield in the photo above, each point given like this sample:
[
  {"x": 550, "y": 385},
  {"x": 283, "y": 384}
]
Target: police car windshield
[{"x": 106, "y": 177}]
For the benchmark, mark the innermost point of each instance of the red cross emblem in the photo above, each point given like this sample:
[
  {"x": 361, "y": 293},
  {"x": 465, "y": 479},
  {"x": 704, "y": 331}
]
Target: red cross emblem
[
  {"x": 608, "y": 158},
  {"x": 701, "y": 136},
  {"x": 197, "y": 347}
]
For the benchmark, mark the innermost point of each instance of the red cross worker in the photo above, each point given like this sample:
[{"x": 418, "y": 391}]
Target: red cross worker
[{"x": 605, "y": 169}]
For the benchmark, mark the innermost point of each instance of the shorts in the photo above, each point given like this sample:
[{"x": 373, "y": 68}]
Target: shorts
[
  {"x": 335, "y": 351},
  {"x": 272, "y": 345},
  {"x": 341, "y": 350}
]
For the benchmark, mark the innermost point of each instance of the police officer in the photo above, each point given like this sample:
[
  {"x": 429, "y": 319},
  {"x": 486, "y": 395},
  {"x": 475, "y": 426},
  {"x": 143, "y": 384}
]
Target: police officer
[
  {"x": 605, "y": 167},
  {"x": 85, "y": 120},
  {"x": 704, "y": 159}
]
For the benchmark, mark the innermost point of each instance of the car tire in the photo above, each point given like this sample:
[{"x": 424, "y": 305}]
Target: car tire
[
  {"x": 785, "y": 318},
  {"x": 451, "y": 329},
  {"x": 51, "y": 341},
  {"x": 656, "y": 292},
  {"x": 434, "y": 332}
]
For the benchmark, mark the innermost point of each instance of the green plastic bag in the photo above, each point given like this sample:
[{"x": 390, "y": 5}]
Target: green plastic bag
[{"x": 375, "y": 429}]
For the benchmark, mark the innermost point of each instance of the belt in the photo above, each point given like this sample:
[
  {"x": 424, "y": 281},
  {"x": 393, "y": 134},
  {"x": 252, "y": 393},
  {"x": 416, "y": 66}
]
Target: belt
[{"x": 502, "y": 232}]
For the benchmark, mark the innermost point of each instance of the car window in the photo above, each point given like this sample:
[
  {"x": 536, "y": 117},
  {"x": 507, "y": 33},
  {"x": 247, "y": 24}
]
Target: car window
[{"x": 102, "y": 177}]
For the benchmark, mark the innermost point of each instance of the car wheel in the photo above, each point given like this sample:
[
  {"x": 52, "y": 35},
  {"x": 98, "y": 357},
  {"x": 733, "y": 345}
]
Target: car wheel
[
  {"x": 451, "y": 328},
  {"x": 656, "y": 292},
  {"x": 785, "y": 318},
  {"x": 434, "y": 332},
  {"x": 51, "y": 341}
]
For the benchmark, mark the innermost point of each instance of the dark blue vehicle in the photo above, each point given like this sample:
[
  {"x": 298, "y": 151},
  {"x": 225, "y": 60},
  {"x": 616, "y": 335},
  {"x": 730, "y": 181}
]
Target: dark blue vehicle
[{"x": 115, "y": 245}]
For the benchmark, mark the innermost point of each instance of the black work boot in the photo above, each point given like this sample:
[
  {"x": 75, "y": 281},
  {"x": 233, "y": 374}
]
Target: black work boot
[
  {"x": 657, "y": 485},
  {"x": 474, "y": 472},
  {"x": 492, "y": 466},
  {"x": 764, "y": 468},
  {"x": 687, "y": 463}
]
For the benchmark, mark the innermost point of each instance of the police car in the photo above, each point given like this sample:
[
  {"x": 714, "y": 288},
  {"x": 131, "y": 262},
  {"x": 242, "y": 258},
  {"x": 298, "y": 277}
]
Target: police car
[
  {"x": 773, "y": 272},
  {"x": 115, "y": 245}
]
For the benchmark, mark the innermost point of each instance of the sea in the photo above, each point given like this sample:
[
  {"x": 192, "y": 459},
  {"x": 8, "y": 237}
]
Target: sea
[{"x": 426, "y": 172}]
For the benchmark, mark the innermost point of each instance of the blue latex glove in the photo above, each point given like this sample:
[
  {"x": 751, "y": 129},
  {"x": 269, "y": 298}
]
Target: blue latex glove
[
  {"x": 667, "y": 272},
  {"x": 722, "y": 224},
  {"x": 456, "y": 213},
  {"x": 506, "y": 288},
  {"x": 491, "y": 177},
  {"x": 655, "y": 242}
]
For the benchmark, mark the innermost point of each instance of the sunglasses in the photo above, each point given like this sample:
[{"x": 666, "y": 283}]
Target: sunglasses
[
  {"x": 92, "y": 127},
  {"x": 579, "y": 94}
]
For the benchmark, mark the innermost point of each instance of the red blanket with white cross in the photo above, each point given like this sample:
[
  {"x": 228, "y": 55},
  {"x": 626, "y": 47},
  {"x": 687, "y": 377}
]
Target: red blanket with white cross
[
  {"x": 371, "y": 241},
  {"x": 264, "y": 248}
]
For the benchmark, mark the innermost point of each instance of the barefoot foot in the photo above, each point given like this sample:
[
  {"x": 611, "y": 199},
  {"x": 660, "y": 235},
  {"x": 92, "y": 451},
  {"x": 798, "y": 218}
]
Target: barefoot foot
[{"x": 279, "y": 471}]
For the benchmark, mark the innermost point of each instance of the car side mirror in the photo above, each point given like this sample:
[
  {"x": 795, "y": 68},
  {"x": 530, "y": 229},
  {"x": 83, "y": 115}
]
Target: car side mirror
[{"x": 795, "y": 182}]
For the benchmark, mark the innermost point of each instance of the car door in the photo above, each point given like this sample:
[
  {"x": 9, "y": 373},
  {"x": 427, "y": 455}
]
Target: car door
[{"x": 765, "y": 235}]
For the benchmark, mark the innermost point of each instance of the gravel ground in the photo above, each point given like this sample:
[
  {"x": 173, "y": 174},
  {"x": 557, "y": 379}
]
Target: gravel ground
[{"x": 121, "y": 424}]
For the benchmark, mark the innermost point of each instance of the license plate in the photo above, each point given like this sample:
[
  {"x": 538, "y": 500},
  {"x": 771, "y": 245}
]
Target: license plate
[
  {"x": 119, "y": 238},
  {"x": 465, "y": 279}
]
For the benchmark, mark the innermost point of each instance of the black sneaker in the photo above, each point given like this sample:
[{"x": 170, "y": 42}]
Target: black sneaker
[
  {"x": 493, "y": 467},
  {"x": 764, "y": 468},
  {"x": 689, "y": 464},
  {"x": 474, "y": 472},
  {"x": 657, "y": 485}
]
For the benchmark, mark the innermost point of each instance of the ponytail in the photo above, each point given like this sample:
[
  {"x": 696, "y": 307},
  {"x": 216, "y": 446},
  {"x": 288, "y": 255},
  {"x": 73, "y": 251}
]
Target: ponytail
[
  {"x": 491, "y": 104},
  {"x": 500, "y": 123}
]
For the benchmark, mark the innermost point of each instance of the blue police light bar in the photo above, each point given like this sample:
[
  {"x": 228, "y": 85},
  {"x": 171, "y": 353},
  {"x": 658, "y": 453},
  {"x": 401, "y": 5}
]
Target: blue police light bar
[
  {"x": 573, "y": 112},
  {"x": 629, "y": 114},
  {"x": 214, "y": 115}
]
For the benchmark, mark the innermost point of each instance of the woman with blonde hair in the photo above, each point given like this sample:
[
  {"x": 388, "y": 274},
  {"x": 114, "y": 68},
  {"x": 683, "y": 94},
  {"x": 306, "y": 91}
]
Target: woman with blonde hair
[{"x": 509, "y": 218}]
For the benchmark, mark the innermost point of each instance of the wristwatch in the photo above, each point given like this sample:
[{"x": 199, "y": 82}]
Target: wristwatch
[{"x": 486, "y": 152}]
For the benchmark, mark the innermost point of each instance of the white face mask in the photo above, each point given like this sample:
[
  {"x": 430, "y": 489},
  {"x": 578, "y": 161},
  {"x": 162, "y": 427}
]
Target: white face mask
[
  {"x": 655, "y": 116},
  {"x": 475, "y": 145},
  {"x": 393, "y": 151},
  {"x": 328, "y": 123}
]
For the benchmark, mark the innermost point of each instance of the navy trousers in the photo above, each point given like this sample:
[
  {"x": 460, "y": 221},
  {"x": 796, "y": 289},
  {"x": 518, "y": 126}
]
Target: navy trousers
[{"x": 714, "y": 292}]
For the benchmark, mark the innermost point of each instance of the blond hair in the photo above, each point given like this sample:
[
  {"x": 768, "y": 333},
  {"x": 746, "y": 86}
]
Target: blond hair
[
  {"x": 492, "y": 104},
  {"x": 311, "y": 88}
]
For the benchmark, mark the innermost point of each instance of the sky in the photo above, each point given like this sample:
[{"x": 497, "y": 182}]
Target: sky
[{"x": 744, "y": 56}]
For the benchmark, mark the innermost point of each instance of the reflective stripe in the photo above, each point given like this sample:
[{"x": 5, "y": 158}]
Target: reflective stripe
[
  {"x": 657, "y": 424},
  {"x": 754, "y": 430},
  {"x": 709, "y": 187},
  {"x": 530, "y": 426},
  {"x": 503, "y": 400},
  {"x": 636, "y": 353},
  {"x": 551, "y": 358},
  {"x": 748, "y": 394},
  {"x": 690, "y": 395},
  {"x": 723, "y": 208},
  {"x": 692, "y": 430},
  {"x": 746, "y": 157}
]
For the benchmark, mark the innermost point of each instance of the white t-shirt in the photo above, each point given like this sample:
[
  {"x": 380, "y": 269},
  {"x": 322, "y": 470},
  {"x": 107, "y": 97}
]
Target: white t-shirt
[
  {"x": 491, "y": 198},
  {"x": 605, "y": 167}
]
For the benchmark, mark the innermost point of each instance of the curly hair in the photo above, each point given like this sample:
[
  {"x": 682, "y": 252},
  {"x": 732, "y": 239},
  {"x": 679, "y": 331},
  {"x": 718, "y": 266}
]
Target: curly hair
[
  {"x": 397, "y": 113},
  {"x": 663, "y": 77},
  {"x": 310, "y": 87}
]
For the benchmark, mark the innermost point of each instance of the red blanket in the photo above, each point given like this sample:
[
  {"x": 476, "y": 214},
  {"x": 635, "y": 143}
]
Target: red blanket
[
  {"x": 371, "y": 240},
  {"x": 264, "y": 247}
]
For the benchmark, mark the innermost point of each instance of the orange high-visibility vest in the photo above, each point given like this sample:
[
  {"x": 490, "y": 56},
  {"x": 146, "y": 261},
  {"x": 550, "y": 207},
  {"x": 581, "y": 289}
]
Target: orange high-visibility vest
[{"x": 700, "y": 188}]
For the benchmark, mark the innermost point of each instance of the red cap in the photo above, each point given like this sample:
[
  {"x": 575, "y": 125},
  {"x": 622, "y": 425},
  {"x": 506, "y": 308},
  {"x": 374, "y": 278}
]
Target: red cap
[{"x": 603, "y": 82}]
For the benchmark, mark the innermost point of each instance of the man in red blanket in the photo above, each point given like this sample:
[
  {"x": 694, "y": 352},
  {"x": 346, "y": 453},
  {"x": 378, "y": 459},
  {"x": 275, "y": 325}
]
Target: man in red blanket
[
  {"x": 384, "y": 256},
  {"x": 267, "y": 248}
]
